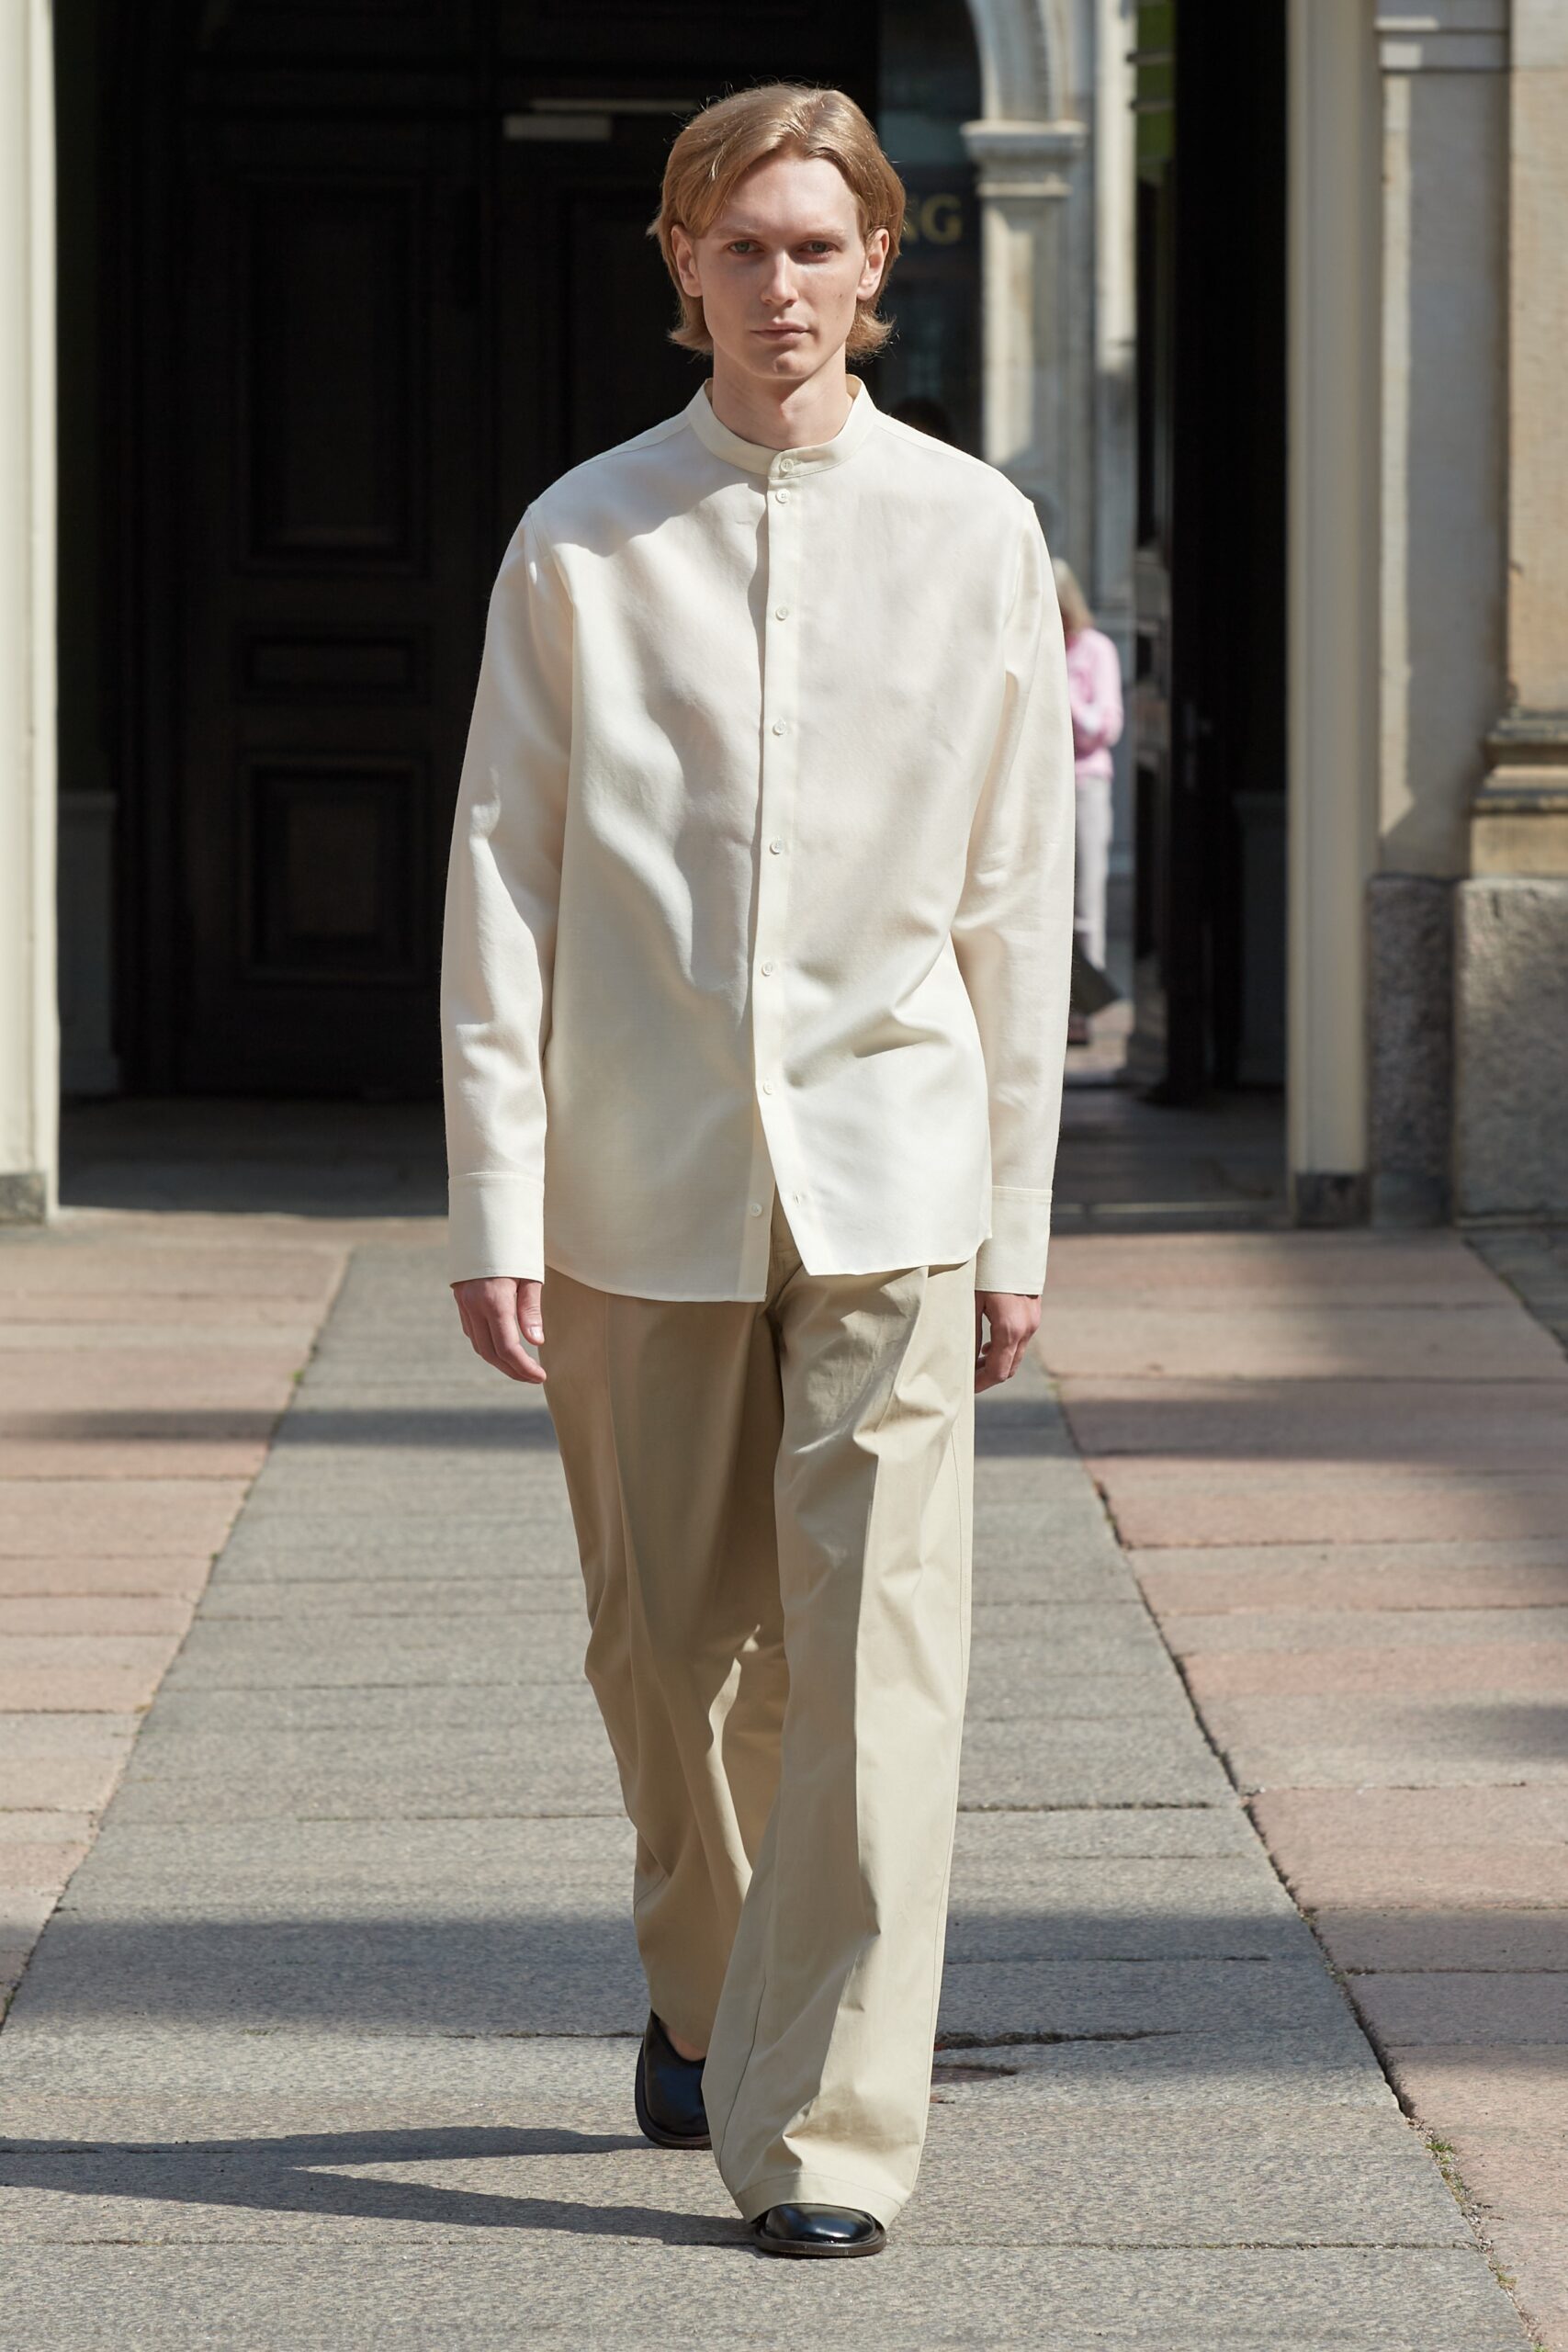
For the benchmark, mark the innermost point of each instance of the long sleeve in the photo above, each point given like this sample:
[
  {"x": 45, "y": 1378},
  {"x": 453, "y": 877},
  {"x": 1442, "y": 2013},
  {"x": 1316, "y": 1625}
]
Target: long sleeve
[
  {"x": 1012, "y": 933},
  {"x": 503, "y": 903}
]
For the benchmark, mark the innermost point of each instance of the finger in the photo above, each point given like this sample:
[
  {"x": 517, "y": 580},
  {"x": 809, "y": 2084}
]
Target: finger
[
  {"x": 481, "y": 1343},
  {"x": 982, "y": 1347},
  {"x": 1003, "y": 1355},
  {"x": 510, "y": 1355},
  {"x": 530, "y": 1312}
]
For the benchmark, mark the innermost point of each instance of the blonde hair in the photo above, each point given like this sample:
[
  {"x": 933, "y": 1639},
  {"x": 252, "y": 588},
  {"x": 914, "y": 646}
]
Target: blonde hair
[
  {"x": 1075, "y": 613},
  {"x": 777, "y": 119}
]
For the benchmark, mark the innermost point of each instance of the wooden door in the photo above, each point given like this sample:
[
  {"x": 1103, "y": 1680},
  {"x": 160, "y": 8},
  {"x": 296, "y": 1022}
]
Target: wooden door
[
  {"x": 330, "y": 418},
  {"x": 582, "y": 299},
  {"x": 1212, "y": 529},
  {"x": 388, "y": 275}
]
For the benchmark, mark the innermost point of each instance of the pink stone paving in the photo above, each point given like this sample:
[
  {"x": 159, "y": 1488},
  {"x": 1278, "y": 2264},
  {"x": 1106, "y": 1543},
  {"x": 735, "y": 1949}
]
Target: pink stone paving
[
  {"x": 1465, "y": 2006},
  {"x": 1291, "y": 1740},
  {"x": 94, "y": 1612},
  {"x": 44, "y": 1265},
  {"x": 1247, "y": 1341},
  {"x": 1505, "y": 1669},
  {"x": 1525, "y": 1573},
  {"x": 1190, "y": 1632},
  {"x": 1469, "y": 1938},
  {"x": 65, "y": 1318},
  {"x": 36, "y": 1862},
  {"x": 1339, "y": 1465},
  {"x": 1320, "y": 1505},
  {"x": 119, "y": 1517},
  {"x": 139, "y": 1385},
  {"x": 1481, "y": 2088},
  {"x": 92, "y": 1454},
  {"x": 1278, "y": 1269},
  {"x": 142, "y": 1574},
  {"x": 81, "y": 1672},
  {"x": 1401, "y": 1424},
  {"x": 71, "y": 1782}
]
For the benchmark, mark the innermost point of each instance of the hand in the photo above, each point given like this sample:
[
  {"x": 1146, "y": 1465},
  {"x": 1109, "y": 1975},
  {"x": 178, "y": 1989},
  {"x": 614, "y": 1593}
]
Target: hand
[
  {"x": 1014, "y": 1318},
  {"x": 498, "y": 1313}
]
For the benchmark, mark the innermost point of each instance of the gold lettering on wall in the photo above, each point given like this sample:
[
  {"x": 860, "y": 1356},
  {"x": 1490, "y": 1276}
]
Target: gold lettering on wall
[{"x": 935, "y": 221}]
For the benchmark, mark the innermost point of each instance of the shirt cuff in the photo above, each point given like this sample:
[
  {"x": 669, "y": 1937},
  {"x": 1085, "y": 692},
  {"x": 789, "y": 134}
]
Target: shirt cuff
[
  {"x": 1014, "y": 1256},
  {"x": 495, "y": 1225}
]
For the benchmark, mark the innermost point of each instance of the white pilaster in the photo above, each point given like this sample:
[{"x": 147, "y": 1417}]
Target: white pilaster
[
  {"x": 1024, "y": 177},
  {"x": 1519, "y": 823},
  {"x": 1331, "y": 590},
  {"x": 28, "y": 1024}
]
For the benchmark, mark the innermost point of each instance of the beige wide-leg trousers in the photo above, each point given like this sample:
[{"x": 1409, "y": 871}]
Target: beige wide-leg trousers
[{"x": 773, "y": 1501}]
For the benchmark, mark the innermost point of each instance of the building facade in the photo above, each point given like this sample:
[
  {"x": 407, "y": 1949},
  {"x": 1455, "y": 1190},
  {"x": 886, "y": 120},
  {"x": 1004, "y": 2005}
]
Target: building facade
[{"x": 295, "y": 322}]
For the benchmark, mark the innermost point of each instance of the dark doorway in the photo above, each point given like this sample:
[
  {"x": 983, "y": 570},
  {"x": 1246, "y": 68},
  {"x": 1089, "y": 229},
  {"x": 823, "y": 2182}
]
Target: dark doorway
[
  {"x": 377, "y": 273},
  {"x": 1209, "y": 701}
]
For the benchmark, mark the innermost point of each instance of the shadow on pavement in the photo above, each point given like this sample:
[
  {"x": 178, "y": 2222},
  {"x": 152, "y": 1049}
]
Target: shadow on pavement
[
  {"x": 1070, "y": 1974},
  {"x": 297, "y": 2173}
]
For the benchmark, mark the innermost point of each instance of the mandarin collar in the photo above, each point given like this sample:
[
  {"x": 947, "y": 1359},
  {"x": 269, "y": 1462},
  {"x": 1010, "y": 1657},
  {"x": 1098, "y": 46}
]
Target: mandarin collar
[{"x": 756, "y": 458}]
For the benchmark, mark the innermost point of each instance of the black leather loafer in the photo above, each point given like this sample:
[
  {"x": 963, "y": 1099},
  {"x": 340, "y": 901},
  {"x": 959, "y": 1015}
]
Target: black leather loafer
[
  {"x": 819, "y": 2233},
  {"x": 668, "y": 2092}
]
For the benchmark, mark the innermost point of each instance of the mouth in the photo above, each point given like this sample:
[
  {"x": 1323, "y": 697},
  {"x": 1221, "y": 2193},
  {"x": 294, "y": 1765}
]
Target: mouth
[{"x": 780, "y": 334}]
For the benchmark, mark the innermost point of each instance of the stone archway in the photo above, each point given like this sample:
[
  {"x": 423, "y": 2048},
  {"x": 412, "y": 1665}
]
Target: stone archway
[
  {"x": 1053, "y": 154},
  {"x": 1022, "y": 46},
  {"x": 1026, "y": 146}
]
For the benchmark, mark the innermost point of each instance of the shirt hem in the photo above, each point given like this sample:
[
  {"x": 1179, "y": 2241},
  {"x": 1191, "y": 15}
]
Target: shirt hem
[{"x": 622, "y": 1286}]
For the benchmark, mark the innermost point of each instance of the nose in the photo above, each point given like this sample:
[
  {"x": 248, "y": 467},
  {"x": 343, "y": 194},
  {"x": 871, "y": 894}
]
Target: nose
[{"x": 778, "y": 287}]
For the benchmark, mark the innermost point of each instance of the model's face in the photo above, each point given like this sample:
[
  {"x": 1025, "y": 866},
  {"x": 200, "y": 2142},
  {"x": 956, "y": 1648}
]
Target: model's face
[{"x": 781, "y": 270}]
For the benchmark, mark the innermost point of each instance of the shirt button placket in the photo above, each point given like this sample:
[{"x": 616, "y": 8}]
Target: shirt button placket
[{"x": 776, "y": 812}]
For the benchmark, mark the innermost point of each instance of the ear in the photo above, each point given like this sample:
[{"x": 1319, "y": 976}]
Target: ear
[
  {"x": 875, "y": 262},
  {"x": 686, "y": 258}
]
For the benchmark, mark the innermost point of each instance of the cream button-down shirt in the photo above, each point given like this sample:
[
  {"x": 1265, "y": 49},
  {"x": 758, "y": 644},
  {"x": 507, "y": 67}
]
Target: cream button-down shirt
[{"x": 761, "y": 871}]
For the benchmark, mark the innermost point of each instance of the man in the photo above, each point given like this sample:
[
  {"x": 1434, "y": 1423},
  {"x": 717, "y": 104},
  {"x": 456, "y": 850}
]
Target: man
[{"x": 755, "y": 997}]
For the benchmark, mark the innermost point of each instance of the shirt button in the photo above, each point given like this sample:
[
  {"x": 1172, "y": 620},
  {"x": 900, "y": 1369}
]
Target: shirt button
[
  {"x": 767, "y": 1086},
  {"x": 786, "y": 465},
  {"x": 774, "y": 847},
  {"x": 782, "y": 496},
  {"x": 778, "y": 726},
  {"x": 767, "y": 966},
  {"x": 755, "y": 1207},
  {"x": 781, "y": 612}
]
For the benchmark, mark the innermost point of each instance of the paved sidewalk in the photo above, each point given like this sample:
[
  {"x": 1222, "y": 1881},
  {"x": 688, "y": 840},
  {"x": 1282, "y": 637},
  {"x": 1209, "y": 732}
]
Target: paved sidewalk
[
  {"x": 1340, "y": 1464},
  {"x": 330, "y": 2042},
  {"x": 143, "y": 1366}
]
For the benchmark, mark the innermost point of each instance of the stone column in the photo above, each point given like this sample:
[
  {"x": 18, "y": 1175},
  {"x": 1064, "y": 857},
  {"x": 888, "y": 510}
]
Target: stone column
[
  {"x": 28, "y": 1026},
  {"x": 1443, "y": 352},
  {"x": 1024, "y": 175},
  {"x": 1511, "y": 940},
  {"x": 1331, "y": 569}
]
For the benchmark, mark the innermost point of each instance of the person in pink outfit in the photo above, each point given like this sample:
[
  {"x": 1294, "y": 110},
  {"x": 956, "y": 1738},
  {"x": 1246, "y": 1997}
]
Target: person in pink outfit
[{"x": 1094, "y": 684}]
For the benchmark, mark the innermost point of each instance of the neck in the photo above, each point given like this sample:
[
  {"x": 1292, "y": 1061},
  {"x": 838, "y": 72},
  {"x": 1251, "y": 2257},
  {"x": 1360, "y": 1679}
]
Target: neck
[{"x": 782, "y": 415}]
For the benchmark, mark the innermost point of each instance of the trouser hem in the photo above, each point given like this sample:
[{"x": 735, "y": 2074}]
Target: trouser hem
[
  {"x": 674, "y": 2019},
  {"x": 804, "y": 2185}
]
